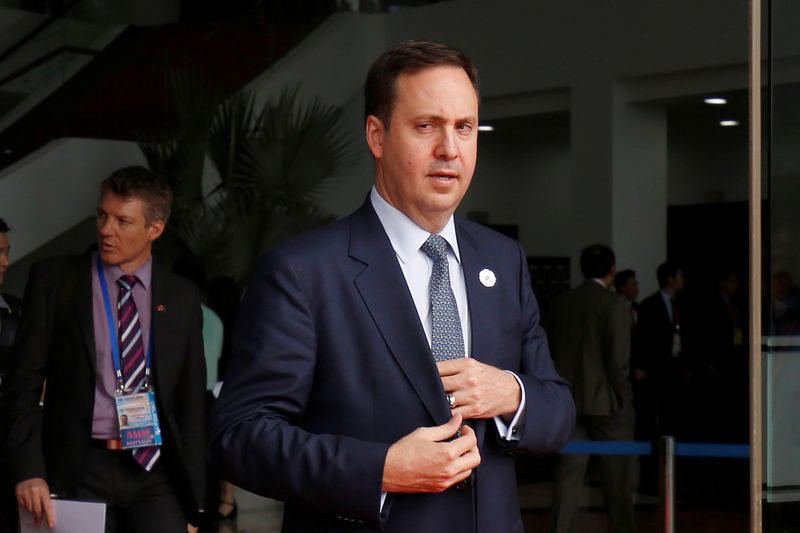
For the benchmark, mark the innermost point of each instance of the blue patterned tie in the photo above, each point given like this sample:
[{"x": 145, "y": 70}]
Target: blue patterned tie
[
  {"x": 133, "y": 357},
  {"x": 447, "y": 340}
]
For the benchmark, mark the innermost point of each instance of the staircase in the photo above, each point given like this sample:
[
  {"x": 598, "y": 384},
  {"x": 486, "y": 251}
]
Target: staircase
[{"x": 121, "y": 86}]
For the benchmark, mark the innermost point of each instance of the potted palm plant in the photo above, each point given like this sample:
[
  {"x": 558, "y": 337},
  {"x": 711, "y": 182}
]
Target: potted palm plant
[{"x": 269, "y": 162}]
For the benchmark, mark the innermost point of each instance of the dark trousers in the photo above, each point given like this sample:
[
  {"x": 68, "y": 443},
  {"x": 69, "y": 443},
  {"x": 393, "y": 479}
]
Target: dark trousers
[
  {"x": 137, "y": 500},
  {"x": 617, "y": 470}
]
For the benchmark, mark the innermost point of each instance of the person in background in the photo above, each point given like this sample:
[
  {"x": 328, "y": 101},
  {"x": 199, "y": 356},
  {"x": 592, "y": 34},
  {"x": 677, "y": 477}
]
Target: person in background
[
  {"x": 664, "y": 357},
  {"x": 107, "y": 329},
  {"x": 10, "y": 311},
  {"x": 589, "y": 329}
]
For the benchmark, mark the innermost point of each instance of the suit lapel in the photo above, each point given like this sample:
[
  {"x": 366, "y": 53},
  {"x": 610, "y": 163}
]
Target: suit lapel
[
  {"x": 158, "y": 321},
  {"x": 483, "y": 310},
  {"x": 383, "y": 288},
  {"x": 83, "y": 308}
]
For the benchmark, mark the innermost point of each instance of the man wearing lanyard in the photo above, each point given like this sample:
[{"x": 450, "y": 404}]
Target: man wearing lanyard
[{"x": 116, "y": 338}]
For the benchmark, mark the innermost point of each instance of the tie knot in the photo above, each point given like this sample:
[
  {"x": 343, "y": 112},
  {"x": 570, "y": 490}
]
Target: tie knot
[
  {"x": 127, "y": 281},
  {"x": 436, "y": 248}
]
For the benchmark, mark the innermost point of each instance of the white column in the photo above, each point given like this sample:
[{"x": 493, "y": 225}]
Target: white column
[{"x": 618, "y": 191}]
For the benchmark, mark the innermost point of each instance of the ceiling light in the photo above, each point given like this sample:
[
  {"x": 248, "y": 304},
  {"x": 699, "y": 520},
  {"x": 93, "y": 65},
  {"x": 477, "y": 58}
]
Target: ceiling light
[
  {"x": 485, "y": 127},
  {"x": 715, "y": 101},
  {"x": 728, "y": 122}
]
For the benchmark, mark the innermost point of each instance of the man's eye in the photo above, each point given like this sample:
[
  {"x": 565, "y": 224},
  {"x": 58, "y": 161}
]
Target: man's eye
[
  {"x": 464, "y": 128},
  {"x": 425, "y": 127}
]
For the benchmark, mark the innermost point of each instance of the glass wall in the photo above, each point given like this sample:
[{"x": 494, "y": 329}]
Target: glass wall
[{"x": 781, "y": 238}]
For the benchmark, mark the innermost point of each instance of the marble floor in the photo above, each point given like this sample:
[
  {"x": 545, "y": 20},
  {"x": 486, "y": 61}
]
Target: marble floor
[{"x": 262, "y": 515}]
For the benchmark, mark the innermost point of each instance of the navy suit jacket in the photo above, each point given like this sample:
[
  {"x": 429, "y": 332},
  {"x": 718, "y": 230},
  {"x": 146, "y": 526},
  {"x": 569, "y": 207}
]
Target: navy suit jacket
[{"x": 331, "y": 366}]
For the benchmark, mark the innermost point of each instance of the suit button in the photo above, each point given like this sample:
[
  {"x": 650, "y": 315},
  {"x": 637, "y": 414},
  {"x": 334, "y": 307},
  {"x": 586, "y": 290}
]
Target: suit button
[{"x": 462, "y": 485}]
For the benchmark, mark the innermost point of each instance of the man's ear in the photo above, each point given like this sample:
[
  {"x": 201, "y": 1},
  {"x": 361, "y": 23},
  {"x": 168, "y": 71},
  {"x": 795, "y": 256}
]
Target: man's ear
[
  {"x": 156, "y": 228},
  {"x": 375, "y": 136}
]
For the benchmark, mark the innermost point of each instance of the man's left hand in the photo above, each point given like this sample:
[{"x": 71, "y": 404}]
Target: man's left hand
[{"x": 479, "y": 390}]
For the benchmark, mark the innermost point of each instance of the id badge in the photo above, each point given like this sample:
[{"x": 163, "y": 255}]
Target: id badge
[{"x": 138, "y": 420}]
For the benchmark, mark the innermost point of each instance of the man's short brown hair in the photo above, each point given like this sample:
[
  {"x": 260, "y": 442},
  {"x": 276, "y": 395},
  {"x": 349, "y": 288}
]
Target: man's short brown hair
[
  {"x": 407, "y": 58},
  {"x": 140, "y": 182}
]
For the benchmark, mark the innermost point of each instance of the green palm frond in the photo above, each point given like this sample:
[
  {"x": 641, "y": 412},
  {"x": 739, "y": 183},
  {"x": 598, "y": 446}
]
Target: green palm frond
[{"x": 271, "y": 162}]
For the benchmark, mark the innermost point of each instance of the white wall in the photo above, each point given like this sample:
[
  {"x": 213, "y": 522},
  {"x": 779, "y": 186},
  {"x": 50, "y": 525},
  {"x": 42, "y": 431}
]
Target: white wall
[{"x": 530, "y": 189}]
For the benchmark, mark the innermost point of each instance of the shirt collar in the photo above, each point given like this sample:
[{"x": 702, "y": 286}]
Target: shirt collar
[
  {"x": 3, "y": 303},
  {"x": 144, "y": 273},
  {"x": 404, "y": 234},
  {"x": 667, "y": 298}
]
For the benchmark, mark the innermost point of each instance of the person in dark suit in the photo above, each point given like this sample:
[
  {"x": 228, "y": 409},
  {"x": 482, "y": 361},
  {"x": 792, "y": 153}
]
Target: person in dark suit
[
  {"x": 10, "y": 310},
  {"x": 664, "y": 358},
  {"x": 348, "y": 394},
  {"x": 72, "y": 445},
  {"x": 724, "y": 372},
  {"x": 589, "y": 329}
]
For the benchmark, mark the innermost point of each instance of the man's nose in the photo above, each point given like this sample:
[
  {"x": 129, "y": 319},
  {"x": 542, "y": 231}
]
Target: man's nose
[
  {"x": 104, "y": 227},
  {"x": 447, "y": 148}
]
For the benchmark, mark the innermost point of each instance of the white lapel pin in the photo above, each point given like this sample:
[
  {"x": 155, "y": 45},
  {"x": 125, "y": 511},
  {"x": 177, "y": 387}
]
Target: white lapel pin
[{"x": 487, "y": 277}]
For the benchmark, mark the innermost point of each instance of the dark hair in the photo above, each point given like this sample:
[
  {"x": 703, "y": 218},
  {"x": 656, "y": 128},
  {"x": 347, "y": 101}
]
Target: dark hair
[
  {"x": 622, "y": 278},
  {"x": 666, "y": 270},
  {"x": 596, "y": 261},
  {"x": 142, "y": 183},
  {"x": 407, "y": 58},
  {"x": 3, "y": 226}
]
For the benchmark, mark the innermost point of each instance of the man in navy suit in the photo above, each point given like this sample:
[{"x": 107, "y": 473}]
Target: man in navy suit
[{"x": 333, "y": 401}]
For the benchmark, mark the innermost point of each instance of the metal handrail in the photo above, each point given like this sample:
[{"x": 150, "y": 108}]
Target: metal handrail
[
  {"x": 44, "y": 59},
  {"x": 37, "y": 30}
]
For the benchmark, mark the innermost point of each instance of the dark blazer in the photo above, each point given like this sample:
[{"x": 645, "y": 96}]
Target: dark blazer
[
  {"x": 56, "y": 342},
  {"x": 656, "y": 338},
  {"x": 330, "y": 366},
  {"x": 589, "y": 329}
]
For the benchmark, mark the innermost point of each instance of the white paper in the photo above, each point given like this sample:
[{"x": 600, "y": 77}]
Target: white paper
[{"x": 71, "y": 516}]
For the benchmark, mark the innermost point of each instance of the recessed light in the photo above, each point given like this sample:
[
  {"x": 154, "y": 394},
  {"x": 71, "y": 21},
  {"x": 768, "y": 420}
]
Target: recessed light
[
  {"x": 729, "y": 123},
  {"x": 485, "y": 127},
  {"x": 715, "y": 100}
]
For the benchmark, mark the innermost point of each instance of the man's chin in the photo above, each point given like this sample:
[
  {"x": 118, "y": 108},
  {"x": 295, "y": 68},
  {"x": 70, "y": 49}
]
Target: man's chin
[{"x": 108, "y": 258}]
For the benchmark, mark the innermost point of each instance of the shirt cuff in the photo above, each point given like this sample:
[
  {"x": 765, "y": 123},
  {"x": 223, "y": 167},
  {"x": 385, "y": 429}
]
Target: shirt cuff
[{"x": 509, "y": 432}]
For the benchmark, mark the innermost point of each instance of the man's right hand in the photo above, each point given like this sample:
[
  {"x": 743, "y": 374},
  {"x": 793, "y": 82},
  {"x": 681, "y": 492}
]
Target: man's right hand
[
  {"x": 422, "y": 462},
  {"x": 34, "y": 496}
]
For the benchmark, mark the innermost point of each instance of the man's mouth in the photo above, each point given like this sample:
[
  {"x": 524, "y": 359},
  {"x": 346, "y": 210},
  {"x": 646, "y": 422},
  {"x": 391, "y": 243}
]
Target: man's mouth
[{"x": 444, "y": 175}]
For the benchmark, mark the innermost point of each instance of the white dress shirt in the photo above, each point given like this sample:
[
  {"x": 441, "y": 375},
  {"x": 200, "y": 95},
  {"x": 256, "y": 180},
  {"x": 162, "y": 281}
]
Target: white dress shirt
[{"x": 407, "y": 238}]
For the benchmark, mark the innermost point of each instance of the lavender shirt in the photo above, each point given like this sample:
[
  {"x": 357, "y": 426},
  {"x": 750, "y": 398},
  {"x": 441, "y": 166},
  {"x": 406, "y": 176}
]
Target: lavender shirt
[{"x": 105, "y": 424}]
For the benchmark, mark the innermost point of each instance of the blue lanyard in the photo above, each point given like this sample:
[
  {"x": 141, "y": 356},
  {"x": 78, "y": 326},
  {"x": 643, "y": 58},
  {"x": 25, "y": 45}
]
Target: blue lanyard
[{"x": 112, "y": 332}]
